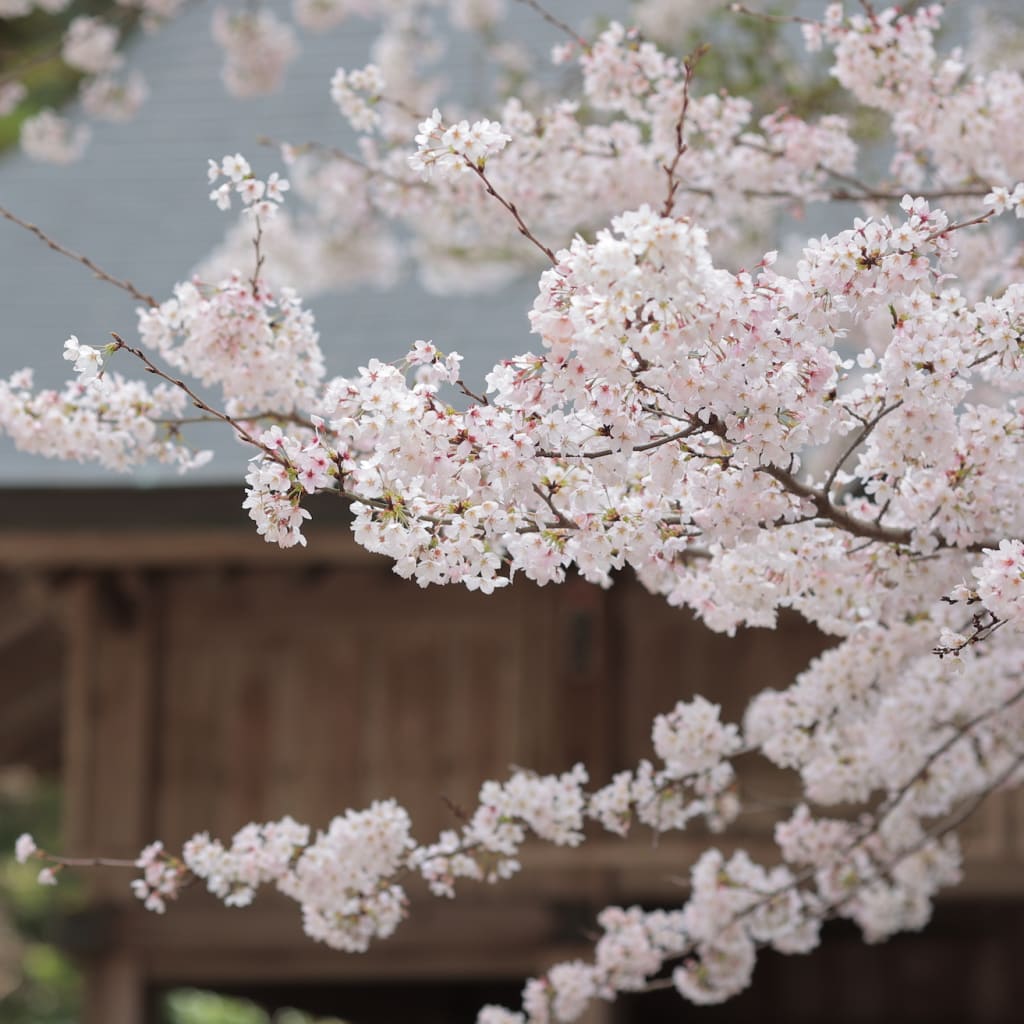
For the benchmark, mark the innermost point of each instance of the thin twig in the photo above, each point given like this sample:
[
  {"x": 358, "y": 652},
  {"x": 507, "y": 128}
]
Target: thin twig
[
  {"x": 560, "y": 517},
  {"x": 88, "y": 862},
  {"x": 257, "y": 240},
  {"x": 340, "y": 154},
  {"x": 511, "y": 207},
  {"x": 689, "y": 66},
  {"x": 103, "y": 275},
  {"x": 248, "y": 417},
  {"x": 982, "y": 218},
  {"x": 776, "y": 19},
  {"x": 464, "y": 388},
  {"x": 605, "y": 452},
  {"x": 151, "y": 367},
  {"x": 556, "y": 22},
  {"x": 861, "y": 437}
]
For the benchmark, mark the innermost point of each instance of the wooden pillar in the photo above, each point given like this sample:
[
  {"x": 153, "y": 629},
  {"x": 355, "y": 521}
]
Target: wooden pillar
[
  {"x": 114, "y": 990},
  {"x": 109, "y": 734}
]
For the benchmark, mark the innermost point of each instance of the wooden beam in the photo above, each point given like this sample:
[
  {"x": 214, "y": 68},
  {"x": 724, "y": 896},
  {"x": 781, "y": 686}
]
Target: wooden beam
[
  {"x": 204, "y": 547},
  {"x": 206, "y": 944}
]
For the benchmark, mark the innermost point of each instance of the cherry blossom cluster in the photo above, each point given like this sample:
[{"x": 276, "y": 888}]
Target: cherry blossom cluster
[
  {"x": 260, "y": 198},
  {"x": 53, "y": 139},
  {"x": 835, "y": 429},
  {"x": 258, "y": 47},
  {"x": 90, "y": 45},
  {"x": 119, "y": 425},
  {"x": 948, "y": 120},
  {"x": 346, "y": 90},
  {"x": 261, "y": 349},
  {"x": 1000, "y": 581},
  {"x": 277, "y": 484},
  {"x": 25, "y": 849},
  {"x": 456, "y": 148},
  {"x": 160, "y": 879},
  {"x": 563, "y": 153},
  {"x": 347, "y": 879},
  {"x": 881, "y": 871}
]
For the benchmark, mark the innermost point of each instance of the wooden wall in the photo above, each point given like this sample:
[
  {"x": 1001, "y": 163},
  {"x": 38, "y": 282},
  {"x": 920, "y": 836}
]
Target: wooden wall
[{"x": 201, "y": 699}]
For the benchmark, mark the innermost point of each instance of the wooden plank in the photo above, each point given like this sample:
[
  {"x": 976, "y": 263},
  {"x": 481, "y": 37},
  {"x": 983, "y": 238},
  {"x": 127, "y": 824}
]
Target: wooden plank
[
  {"x": 333, "y": 690},
  {"x": 124, "y": 657},
  {"x": 31, "y": 695},
  {"x": 79, "y": 617},
  {"x": 668, "y": 656},
  {"x": 196, "y": 636},
  {"x": 264, "y": 943}
]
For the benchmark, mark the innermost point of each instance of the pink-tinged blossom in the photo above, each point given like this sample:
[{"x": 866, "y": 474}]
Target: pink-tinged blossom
[
  {"x": 834, "y": 431},
  {"x": 49, "y": 138},
  {"x": 452, "y": 150},
  {"x": 262, "y": 349},
  {"x": 114, "y": 99},
  {"x": 355, "y": 92},
  {"x": 90, "y": 45},
  {"x": 24, "y": 848},
  {"x": 258, "y": 47},
  {"x": 1001, "y": 581}
]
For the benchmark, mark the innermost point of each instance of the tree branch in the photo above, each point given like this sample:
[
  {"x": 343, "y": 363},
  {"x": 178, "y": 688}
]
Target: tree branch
[{"x": 124, "y": 284}]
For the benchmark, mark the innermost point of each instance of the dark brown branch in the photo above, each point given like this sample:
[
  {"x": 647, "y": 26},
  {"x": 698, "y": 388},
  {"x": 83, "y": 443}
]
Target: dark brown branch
[
  {"x": 689, "y": 65},
  {"x": 778, "y": 19},
  {"x": 826, "y": 510},
  {"x": 124, "y": 284},
  {"x": 863, "y": 434},
  {"x": 646, "y": 447},
  {"x": 556, "y": 22},
  {"x": 982, "y": 218},
  {"x": 511, "y": 207},
  {"x": 151, "y": 367},
  {"x": 560, "y": 517}
]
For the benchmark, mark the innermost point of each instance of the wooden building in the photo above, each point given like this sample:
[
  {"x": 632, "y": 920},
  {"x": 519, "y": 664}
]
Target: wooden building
[{"x": 182, "y": 675}]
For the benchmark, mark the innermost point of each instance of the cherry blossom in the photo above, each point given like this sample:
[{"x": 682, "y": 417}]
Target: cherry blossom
[
  {"x": 749, "y": 425},
  {"x": 49, "y": 137},
  {"x": 90, "y": 45}
]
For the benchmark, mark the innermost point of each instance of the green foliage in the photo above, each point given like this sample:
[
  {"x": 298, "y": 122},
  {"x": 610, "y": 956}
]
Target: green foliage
[
  {"x": 192, "y": 1006},
  {"x": 30, "y": 53},
  {"x": 38, "y": 985}
]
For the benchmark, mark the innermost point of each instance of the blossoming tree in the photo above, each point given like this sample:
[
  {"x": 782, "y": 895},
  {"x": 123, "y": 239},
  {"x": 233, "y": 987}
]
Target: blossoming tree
[{"x": 837, "y": 432}]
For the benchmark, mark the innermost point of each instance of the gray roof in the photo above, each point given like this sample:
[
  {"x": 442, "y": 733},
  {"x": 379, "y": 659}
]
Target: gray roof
[{"x": 137, "y": 204}]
